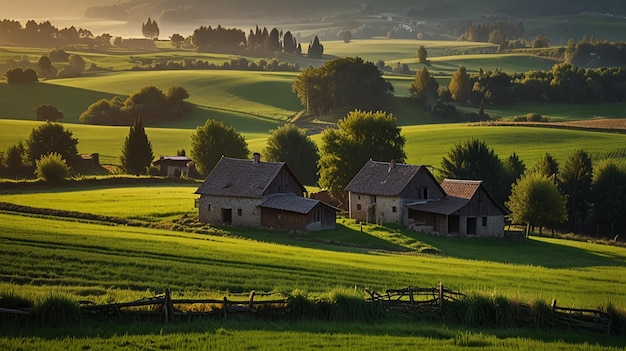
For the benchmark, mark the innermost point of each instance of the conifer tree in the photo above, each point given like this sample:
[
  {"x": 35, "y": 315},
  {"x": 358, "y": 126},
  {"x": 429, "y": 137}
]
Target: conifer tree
[{"x": 137, "y": 150}]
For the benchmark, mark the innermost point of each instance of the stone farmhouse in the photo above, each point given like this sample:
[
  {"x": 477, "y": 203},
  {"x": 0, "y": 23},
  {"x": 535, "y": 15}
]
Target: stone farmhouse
[
  {"x": 409, "y": 195},
  {"x": 254, "y": 193}
]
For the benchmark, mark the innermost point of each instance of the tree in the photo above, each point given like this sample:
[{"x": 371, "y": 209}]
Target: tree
[
  {"x": 536, "y": 201},
  {"x": 149, "y": 102},
  {"x": 19, "y": 75},
  {"x": 51, "y": 137},
  {"x": 137, "y": 154},
  {"x": 289, "y": 43},
  {"x": 422, "y": 55},
  {"x": 150, "y": 29},
  {"x": 48, "y": 113},
  {"x": 52, "y": 168},
  {"x": 575, "y": 183},
  {"x": 45, "y": 65},
  {"x": 514, "y": 168},
  {"x": 423, "y": 87},
  {"x": 609, "y": 198},
  {"x": 359, "y": 137},
  {"x": 291, "y": 145},
  {"x": 316, "y": 50},
  {"x": 474, "y": 160},
  {"x": 77, "y": 63},
  {"x": 345, "y": 35},
  {"x": 547, "y": 166},
  {"x": 460, "y": 86},
  {"x": 213, "y": 140},
  {"x": 177, "y": 39},
  {"x": 344, "y": 82}
]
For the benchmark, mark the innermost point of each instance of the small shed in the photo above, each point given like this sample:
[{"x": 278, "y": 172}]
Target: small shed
[
  {"x": 174, "y": 166},
  {"x": 289, "y": 211}
]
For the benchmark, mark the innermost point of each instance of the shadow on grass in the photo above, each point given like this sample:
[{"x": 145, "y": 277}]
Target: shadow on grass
[{"x": 398, "y": 326}]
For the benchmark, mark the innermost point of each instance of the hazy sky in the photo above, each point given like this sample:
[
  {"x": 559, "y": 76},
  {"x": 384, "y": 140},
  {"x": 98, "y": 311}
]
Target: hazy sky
[{"x": 20, "y": 9}]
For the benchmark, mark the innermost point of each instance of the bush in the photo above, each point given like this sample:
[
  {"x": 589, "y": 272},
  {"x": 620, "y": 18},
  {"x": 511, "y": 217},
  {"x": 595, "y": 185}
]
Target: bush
[
  {"x": 55, "y": 311},
  {"x": 348, "y": 305},
  {"x": 299, "y": 307},
  {"x": 52, "y": 168}
]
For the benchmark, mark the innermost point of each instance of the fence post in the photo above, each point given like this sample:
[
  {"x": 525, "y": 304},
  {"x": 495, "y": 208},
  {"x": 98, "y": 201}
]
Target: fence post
[
  {"x": 168, "y": 309},
  {"x": 225, "y": 307},
  {"x": 440, "y": 298},
  {"x": 252, "y": 293},
  {"x": 411, "y": 299}
]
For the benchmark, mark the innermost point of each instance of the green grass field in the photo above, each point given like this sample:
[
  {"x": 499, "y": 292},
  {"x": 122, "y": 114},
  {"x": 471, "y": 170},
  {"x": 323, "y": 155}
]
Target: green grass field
[{"x": 44, "y": 256}]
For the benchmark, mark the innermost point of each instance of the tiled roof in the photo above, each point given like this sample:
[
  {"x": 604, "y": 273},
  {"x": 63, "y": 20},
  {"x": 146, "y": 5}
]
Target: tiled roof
[
  {"x": 464, "y": 189},
  {"x": 380, "y": 178},
  {"x": 291, "y": 203},
  {"x": 240, "y": 178}
]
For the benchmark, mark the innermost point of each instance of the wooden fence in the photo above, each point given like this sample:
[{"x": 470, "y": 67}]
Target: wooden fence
[
  {"x": 577, "y": 318},
  {"x": 414, "y": 299},
  {"x": 410, "y": 300},
  {"x": 165, "y": 307}
]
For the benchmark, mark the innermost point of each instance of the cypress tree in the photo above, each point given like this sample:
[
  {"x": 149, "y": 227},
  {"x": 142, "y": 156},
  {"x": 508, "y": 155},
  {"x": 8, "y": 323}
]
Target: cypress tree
[{"x": 137, "y": 150}]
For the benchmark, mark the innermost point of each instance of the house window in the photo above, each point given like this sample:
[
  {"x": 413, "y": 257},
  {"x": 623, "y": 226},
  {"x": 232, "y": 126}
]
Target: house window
[
  {"x": 196, "y": 203},
  {"x": 484, "y": 221},
  {"x": 210, "y": 209},
  {"x": 358, "y": 207},
  {"x": 279, "y": 216},
  {"x": 239, "y": 212},
  {"x": 358, "y": 197},
  {"x": 425, "y": 193},
  {"x": 373, "y": 199},
  {"x": 394, "y": 209}
]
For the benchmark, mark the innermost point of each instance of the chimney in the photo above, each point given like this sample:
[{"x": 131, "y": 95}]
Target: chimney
[
  {"x": 392, "y": 165},
  {"x": 256, "y": 157}
]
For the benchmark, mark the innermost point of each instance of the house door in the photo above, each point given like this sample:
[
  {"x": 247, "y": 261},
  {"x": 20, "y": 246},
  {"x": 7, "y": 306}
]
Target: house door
[
  {"x": 453, "y": 224},
  {"x": 471, "y": 226},
  {"x": 227, "y": 216}
]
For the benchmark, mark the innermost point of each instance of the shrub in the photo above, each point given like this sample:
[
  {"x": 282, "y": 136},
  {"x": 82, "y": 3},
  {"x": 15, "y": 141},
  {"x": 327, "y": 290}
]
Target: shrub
[
  {"x": 299, "y": 307},
  {"x": 480, "y": 310},
  {"x": 541, "y": 315},
  {"x": 349, "y": 305},
  {"x": 534, "y": 117},
  {"x": 52, "y": 168},
  {"x": 55, "y": 311},
  {"x": 618, "y": 318}
]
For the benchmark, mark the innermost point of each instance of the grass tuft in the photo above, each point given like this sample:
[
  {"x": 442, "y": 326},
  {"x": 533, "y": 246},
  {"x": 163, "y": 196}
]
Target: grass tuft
[{"x": 55, "y": 311}]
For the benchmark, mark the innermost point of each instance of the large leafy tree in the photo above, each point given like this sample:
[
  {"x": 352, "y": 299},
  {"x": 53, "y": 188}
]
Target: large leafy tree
[
  {"x": 360, "y": 136},
  {"x": 137, "y": 153},
  {"x": 609, "y": 197},
  {"x": 291, "y": 145},
  {"x": 536, "y": 201},
  {"x": 475, "y": 160},
  {"x": 213, "y": 140},
  {"x": 460, "y": 86},
  {"x": 51, "y": 137},
  {"x": 344, "y": 82},
  {"x": 423, "y": 87},
  {"x": 575, "y": 182}
]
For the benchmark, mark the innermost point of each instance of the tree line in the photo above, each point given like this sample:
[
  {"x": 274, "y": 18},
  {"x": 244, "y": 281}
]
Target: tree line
[
  {"x": 258, "y": 41},
  {"x": 56, "y": 64},
  {"x": 565, "y": 83},
  {"x": 44, "y": 34},
  {"x": 241, "y": 64}
]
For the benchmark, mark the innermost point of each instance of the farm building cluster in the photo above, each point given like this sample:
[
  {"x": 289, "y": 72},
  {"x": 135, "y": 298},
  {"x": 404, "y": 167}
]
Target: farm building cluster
[{"x": 255, "y": 193}]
